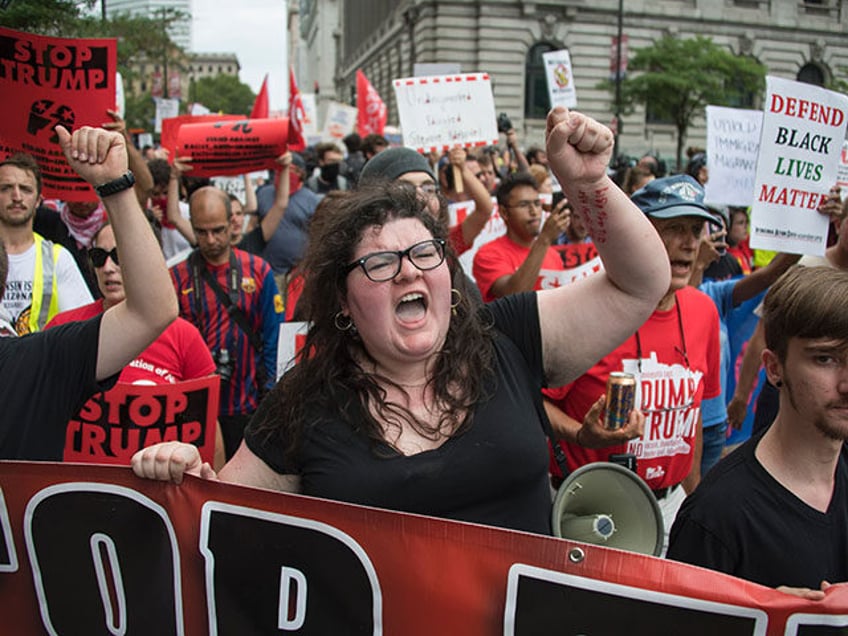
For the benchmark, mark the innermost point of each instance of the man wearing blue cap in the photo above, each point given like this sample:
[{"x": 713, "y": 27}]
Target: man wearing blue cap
[{"x": 674, "y": 356}]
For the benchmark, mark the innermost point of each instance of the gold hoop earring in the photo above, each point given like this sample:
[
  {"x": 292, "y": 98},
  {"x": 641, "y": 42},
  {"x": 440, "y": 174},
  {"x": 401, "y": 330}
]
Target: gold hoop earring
[
  {"x": 456, "y": 298},
  {"x": 342, "y": 321}
]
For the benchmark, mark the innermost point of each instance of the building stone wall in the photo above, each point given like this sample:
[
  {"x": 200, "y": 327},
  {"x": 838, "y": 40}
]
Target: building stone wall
[{"x": 494, "y": 36}]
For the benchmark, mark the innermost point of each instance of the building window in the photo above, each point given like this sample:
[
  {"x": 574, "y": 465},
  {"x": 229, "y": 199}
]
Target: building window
[
  {"x": 811, "y": 74},
  {"x": 537, "y": 102}
]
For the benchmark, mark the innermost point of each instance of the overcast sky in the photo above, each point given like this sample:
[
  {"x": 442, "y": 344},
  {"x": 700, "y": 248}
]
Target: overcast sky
[{"x": 255, "y": 30}]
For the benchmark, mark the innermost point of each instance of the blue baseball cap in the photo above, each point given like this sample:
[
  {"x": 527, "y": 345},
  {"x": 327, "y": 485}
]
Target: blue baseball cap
[{"x": 672, "y": 197}]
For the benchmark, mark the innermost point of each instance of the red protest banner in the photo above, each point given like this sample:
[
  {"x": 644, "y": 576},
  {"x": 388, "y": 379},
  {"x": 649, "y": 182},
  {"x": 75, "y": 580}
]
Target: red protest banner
[
  {"x": 48, "y": 81},
  {"x": 171, "y": 126},
  {"x": 113, "y": 425},
  {"x": 217, "y": 558},
  {"x": 233, "y": 147}
]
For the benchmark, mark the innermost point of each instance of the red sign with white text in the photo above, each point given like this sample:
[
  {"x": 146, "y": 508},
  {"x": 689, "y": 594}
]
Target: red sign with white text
[
  {"x": 48, "y": 81},
  {"x": 93, "y": 549}
]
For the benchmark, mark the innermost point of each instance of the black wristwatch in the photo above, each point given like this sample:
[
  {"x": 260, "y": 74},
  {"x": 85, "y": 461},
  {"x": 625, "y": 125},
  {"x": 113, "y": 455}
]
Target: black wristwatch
[{"x": 124, "y": 182}]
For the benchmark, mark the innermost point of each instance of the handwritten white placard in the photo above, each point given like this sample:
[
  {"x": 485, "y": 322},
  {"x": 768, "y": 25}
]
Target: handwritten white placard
[
  {"x": 733, "y": 144},
  {"x": 800, "y": 147},
  {"x": 443, "y": 111}
]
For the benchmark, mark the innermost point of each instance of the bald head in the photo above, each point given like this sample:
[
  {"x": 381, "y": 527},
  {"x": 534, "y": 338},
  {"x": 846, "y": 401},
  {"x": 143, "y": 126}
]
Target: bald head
[{"x": 210, "y": 213}]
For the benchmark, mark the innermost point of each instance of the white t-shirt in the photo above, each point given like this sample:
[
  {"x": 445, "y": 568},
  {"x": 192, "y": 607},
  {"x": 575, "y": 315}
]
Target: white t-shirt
[
  {"x": 172, "y": 241},
  {"x": 70, "y": 285}
]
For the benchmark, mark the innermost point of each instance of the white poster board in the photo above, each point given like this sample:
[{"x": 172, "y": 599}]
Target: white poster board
[
  {"x": 289, "y": 343},
  {"x": 733, "y": 144},
  {"x": 165, "y": 109},
  {"x": 803, "y": 131},
  {"x": 339, "y": 122},
  {"x": 309, "y": 122},
  {"x": 443, "y": 111},
  {"x": 560, "y": 78}
]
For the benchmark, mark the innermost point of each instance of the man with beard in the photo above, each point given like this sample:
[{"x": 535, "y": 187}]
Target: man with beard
[
  {"x": 776, "y": 510},
  {"x": 43, "y": 277}
]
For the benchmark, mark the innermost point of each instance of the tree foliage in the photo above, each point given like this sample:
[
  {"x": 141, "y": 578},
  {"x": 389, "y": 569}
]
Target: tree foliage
[
  {"x": 675, "y": 79},
  {"x": 223, "y": 93}
]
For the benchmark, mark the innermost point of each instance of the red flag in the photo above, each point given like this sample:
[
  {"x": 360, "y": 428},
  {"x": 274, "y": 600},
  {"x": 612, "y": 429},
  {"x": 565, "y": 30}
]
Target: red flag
[
  {"x": 260, "y": 106},
  {"x": 372, "y": 114},
  {"x": 296, "y": 116}
]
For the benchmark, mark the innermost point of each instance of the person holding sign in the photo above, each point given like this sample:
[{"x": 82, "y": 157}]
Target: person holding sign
[
  {"x": 776, "y": 510},
  {"x": 85, "y": 357},
  {"x": 178, "y": 354},
  {"x": 411, "y": 397}
]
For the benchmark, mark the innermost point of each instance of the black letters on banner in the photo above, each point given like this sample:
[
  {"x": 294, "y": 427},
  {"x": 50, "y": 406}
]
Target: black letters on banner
[
  {"x": 278, "y": 574},
  {"x": 544, "y": 602},
  {"x": 101, "y": 575}
]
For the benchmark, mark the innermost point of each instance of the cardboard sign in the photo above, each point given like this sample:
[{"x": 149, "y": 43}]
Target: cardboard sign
[
  {"x": 48, "y": 81},
  {"x": 113, "y": 425},
  {"x": 803, "y": 133},
  {"x": 95, "y": 550},
  {"x": 233, "y": 147},
  {"x": 166, "y": 108},
  {"x": 290, "y": 342},
  {"x": 733, "y": 145},
  {"x": 440, "y": 112},
  {"x": 561, "y": 89},
  {"x": 339, "y": 121}
]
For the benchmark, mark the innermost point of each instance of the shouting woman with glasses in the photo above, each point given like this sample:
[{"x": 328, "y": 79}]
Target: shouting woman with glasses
[
  {"x": 178, "y": 354},
  {"x": 412, "y": 398}
]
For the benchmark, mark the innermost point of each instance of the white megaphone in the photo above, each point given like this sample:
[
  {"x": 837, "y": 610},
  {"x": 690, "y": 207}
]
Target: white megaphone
[{"x": 608, "y": 505}]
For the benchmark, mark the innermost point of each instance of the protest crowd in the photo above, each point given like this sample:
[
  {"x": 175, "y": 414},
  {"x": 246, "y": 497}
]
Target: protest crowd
[{"x": 466, "y": 306}]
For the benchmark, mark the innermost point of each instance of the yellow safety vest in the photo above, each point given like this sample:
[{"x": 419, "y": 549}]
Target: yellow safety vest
[{"x": 44, "y": 305}]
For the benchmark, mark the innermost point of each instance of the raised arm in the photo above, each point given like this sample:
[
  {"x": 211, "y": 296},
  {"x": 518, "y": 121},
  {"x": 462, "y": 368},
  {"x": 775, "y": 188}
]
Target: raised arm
[
  {"x": 175, "y": 218},
  {"x": 275, "y": 214},
  {"x": 100, "y": 156},
  {"x": 584, "y": 321},
  {"x": 476, "y": 221},
  {"x": 143, "y": 179}
]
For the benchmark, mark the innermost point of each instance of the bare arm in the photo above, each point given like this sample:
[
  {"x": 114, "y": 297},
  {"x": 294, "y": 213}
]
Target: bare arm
[
  {"x": 476, "y": 221},
  {"x": 691, "y": 481},
  {"x": 143, "y": 178},
  {"x": 520, "y": 160},
  {"x": 751, "y": 360},
  {"x": 250, "y": 204},
  {"x": 272, "y": 219},
  {"x": 585, "y": 320},
  {"x": 591, "y": 433},
  {"x": 171, "y": 461},
  {"x": 175, "y": 218},
  {"x": 100, "y": 156},
  {"x": 524, "y": 278}
]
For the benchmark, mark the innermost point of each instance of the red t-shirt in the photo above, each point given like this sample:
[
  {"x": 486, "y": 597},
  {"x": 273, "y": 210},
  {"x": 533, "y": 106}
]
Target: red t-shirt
[
  {"x": 178, "y": 354},
  {"x": 671, "y": 389},
  {"x": 503, "y": 256}
]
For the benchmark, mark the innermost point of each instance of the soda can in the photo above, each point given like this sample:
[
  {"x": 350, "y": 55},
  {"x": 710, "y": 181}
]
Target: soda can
[{"x": 621, "y": 394}]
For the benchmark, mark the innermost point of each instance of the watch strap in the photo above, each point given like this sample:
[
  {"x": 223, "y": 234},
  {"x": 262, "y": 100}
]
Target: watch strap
[{"x": 124, "y": 182}]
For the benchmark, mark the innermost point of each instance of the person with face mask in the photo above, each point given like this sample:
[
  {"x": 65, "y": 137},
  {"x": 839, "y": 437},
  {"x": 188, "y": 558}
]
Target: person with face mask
[{"x": 330, "y": 164}]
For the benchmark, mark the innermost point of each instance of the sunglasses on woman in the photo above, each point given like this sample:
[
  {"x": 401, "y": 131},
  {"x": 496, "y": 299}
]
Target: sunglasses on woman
[{"x": 98, "y": 256}]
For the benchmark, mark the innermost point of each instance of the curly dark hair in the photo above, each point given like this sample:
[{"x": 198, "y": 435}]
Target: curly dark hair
[{"x": 325, "y": 380}]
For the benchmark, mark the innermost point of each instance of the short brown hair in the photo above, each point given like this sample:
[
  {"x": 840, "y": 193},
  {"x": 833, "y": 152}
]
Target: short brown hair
[
  {"x": 807, "y": 302},
  {"x": 27, "y": 163}
]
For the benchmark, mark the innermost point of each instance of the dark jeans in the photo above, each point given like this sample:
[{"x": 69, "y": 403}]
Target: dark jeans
[{"x": 232, "y": 430}]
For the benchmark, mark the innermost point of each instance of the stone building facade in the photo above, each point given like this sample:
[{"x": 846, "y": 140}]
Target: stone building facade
[{"x": 795, "y": 39}]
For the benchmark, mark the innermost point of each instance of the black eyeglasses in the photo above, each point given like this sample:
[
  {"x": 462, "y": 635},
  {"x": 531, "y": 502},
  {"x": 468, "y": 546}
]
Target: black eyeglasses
[
  {"x": 98, "y": 256},
  {"x": 382, "y": 266}
]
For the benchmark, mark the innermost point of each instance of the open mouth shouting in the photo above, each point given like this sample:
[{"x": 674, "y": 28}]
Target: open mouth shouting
[{"x": 412, "y": 307}]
